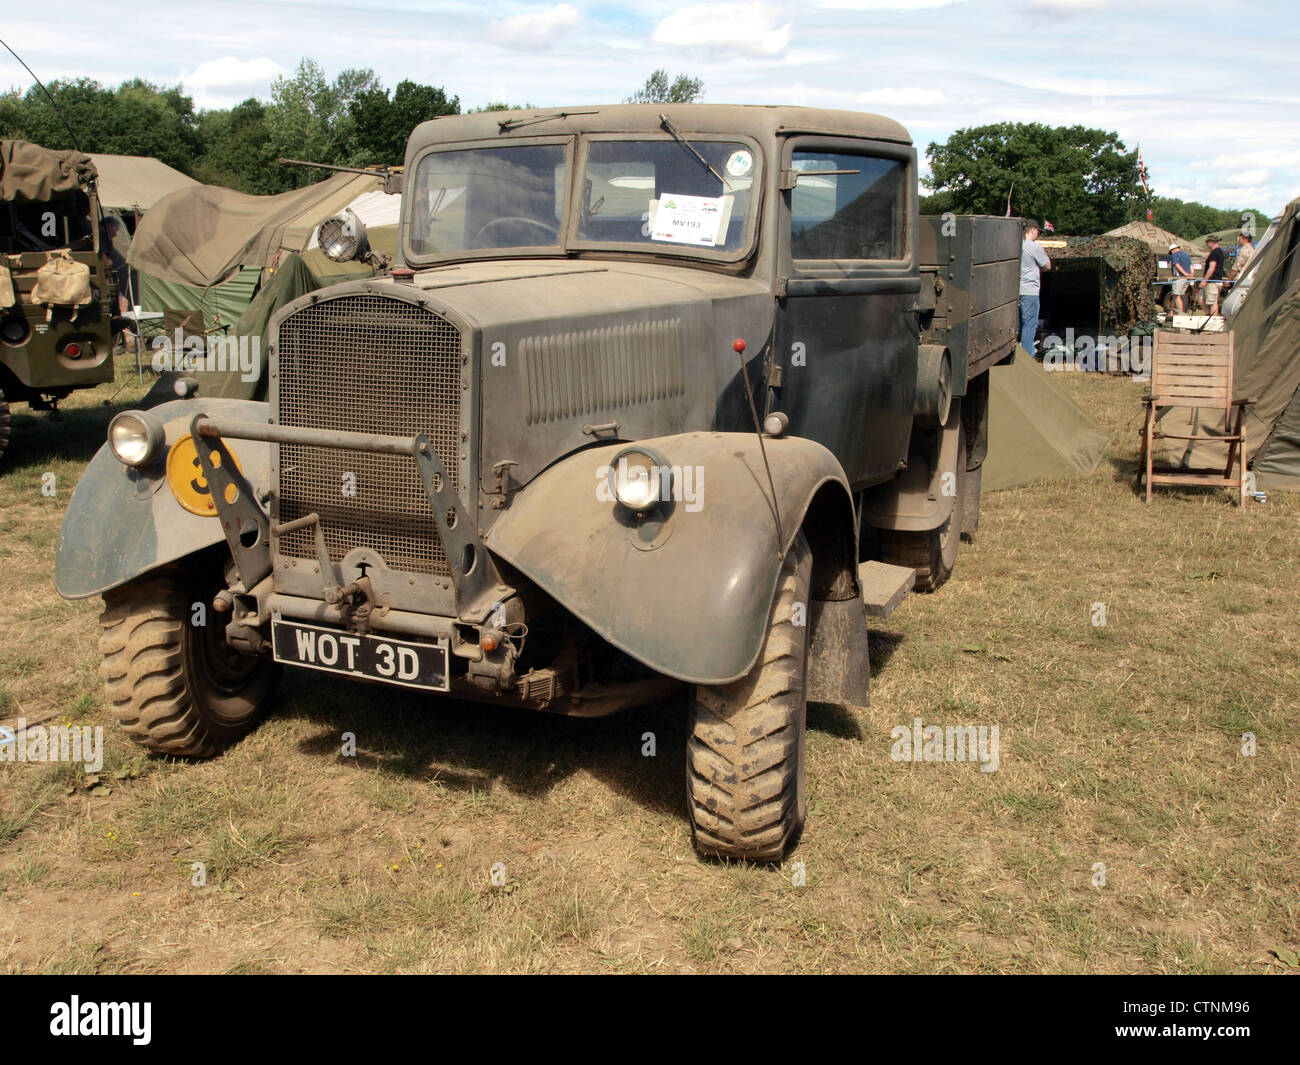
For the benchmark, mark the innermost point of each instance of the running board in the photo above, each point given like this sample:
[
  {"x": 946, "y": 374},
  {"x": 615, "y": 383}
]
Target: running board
[{"x": 884, "y": 587}]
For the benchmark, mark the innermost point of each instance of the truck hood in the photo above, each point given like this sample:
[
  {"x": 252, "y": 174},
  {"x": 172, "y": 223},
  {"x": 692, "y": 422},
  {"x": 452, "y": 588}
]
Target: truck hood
[{"x": 572, "y": 354}]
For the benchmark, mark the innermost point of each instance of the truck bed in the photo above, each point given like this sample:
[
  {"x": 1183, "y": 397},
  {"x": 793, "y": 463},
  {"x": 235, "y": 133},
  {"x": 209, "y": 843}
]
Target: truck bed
[{"x": 970, "y": 289}]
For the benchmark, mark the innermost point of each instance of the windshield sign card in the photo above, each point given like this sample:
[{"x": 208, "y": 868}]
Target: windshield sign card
[{"x": 698, "y": 220}]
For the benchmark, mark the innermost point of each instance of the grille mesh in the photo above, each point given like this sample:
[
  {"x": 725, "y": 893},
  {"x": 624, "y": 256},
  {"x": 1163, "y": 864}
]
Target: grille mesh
[{"x": 367, "y": 364}]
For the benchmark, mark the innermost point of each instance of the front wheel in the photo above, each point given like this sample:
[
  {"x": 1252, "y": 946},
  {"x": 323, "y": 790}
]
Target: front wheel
[
  {"x": 745, "y": 757},
  {"x": 177, "y": 687}
]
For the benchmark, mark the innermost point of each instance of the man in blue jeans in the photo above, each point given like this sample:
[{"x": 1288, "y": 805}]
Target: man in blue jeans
[{"x": 1032, "y": 260}]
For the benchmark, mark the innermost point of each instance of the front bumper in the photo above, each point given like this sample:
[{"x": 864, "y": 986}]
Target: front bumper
[{"x": 251, "y": 533}]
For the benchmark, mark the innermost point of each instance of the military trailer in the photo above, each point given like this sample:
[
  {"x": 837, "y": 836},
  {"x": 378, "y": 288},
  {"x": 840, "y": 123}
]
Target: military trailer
[
  {"x": 55, "y": 294},
  {"x": 608, "y": 431}
]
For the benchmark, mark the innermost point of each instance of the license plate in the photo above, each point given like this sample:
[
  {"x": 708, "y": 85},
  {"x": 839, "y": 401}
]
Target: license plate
[{"x": 412, "y": 665}]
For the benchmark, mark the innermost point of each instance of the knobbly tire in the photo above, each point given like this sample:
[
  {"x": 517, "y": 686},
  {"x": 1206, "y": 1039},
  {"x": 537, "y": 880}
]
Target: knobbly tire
[
  {"x": 932, "y": 553},
  {"x": 177, "y": 688},
  {"x": 745, "y": 756},
  {"x": 6, "y": 425}
]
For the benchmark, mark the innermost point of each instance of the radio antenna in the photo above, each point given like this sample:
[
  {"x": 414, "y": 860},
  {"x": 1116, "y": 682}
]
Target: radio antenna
[{"x": 57, "y": 110}]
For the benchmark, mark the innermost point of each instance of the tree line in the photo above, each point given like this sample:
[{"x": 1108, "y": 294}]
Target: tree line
[{"x": 1084, "y": 181}]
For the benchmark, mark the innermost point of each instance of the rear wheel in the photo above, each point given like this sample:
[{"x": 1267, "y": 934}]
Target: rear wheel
[
  {"x": 745, "y": 756},
  {"x": 176, "y": 687},
  {"x": 932, "y": 553}
]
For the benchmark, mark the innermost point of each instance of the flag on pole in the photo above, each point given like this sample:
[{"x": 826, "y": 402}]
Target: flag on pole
[
  {"x": 1150, "y": 215},
  {"x": 1142, "y": 172},
  {"x": 1048, "y": 226}
]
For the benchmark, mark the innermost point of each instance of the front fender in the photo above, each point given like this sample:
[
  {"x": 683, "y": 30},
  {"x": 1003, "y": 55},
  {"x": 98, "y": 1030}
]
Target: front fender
[
  {"x": 694, "y": 603},
  {"x": 122, "y": 522}
]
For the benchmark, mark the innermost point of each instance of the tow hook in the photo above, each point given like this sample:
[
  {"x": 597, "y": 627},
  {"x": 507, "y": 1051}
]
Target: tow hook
[{"x": 357, "y": 602}]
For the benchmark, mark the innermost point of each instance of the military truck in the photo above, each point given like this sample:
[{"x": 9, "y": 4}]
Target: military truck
[
  {"x": 55, "y": 294},
  {"x": 609, "y": 431}
]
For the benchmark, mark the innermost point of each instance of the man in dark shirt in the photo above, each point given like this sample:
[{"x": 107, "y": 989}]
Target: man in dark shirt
[{"x": 1213, "y": 276}]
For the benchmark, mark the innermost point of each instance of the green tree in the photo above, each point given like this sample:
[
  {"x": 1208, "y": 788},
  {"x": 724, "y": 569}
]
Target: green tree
[
  {"x": 137, "y": 118},
  {"x": 238, "y": 152},
  {"x": 1191, "y": 220},
  {"x": 659, "y": 90},
  {"x": 381, "y": 126},
  {"x": 1084, "y": 180},
  {"x": 309, "y": 118}
]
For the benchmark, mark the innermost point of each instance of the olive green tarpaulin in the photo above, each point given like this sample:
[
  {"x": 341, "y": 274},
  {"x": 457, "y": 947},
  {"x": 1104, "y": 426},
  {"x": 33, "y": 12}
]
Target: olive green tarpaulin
[
  {"x": 35, "y": 174},
  {"x": 1036, "y": 431},
  {"x": 297, "y": 275},
  {"x": 200, "y": 236},
  {"x": 1266, "y": 351},
  {"x": 216, "y": 307}
]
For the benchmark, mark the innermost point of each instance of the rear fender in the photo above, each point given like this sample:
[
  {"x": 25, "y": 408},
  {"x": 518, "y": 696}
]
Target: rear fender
[
  {"x": 690, "y": 598},
  {"x": 919, "y": 499},
  {"x": 122, "y": 522}
]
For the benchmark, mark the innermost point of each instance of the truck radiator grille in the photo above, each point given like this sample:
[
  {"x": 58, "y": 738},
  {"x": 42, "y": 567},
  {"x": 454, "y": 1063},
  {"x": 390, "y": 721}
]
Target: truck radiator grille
[{"x": 367, "y": 364}]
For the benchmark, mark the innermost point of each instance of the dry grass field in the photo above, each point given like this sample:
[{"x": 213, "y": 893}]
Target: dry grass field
[{"x": 1119, "y": 745}]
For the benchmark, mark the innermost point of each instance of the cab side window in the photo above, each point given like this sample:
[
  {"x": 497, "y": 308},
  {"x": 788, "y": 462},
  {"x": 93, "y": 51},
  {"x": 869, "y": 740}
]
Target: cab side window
[{"x": 858, "y": 215}]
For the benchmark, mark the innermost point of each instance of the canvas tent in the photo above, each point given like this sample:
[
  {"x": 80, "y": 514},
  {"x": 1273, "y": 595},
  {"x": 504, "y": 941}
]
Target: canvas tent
[
  {"x": 1036, "y": 431},
  {"x": 1158, "y": 240},
  {"x": 200, "y": 236},
  {"x": 297, "y": 275},
  {"x": 206, "y": 250},
  {"x": 1266, "y": 346},
  {"x": 136, "y": 182}
]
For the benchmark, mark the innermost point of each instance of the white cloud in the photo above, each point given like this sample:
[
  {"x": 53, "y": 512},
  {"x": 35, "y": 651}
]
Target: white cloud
[
  {"x": 224, "y": 82},
  {"x": 229, "y": 72},
  {"x": 910, "y": 97},
  {"x": 1272, "y": 158},
  {"x": 746, "y": 28},
  {"x": 535, "y": 29},
  {"x": 1239, "y": 178},
  {"x": 883, "y": 5},
  {"x": 1068, "y": 7}
]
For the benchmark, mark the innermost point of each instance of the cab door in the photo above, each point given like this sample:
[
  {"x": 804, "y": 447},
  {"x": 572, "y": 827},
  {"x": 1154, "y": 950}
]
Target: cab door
[{"x": 845, "y": 338}]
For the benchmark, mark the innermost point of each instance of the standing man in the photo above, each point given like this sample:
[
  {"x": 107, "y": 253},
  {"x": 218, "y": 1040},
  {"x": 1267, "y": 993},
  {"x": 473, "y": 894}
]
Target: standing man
[
  {"x": 1213, "y": 276},
  {"x": 1033, "y": 260},
  {"x": 1245, "y": 252},
  {"x": 1180, "y": 264}
]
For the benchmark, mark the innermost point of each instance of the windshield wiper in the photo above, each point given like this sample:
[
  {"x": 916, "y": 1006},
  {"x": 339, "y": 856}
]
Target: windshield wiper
[
  {"x": 663, "y": 121},
  {"x": 507, "y": 124},
  {"x": 437, "y": 204}
]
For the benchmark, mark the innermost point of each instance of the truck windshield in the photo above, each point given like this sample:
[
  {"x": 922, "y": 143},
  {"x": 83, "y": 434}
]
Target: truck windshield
[
  {"x": 485, "y": 198},
  {"x": 663, "y": 193}
]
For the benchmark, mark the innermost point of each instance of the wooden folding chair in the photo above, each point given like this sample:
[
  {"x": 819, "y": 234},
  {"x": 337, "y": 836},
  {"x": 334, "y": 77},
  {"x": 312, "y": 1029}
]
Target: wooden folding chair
[{"x": 1194, "y": 370}]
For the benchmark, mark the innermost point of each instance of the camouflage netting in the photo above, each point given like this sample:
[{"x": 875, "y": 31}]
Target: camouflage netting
[{"x": 1129, "y": 268}]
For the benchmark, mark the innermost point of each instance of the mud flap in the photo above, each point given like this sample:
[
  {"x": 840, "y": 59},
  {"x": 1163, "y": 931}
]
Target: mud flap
[{"x": 839, "y": 666}]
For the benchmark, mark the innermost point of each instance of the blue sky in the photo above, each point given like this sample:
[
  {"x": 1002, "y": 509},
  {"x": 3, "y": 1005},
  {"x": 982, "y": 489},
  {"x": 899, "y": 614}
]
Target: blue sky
[{"x": 1210, "y": 90}]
